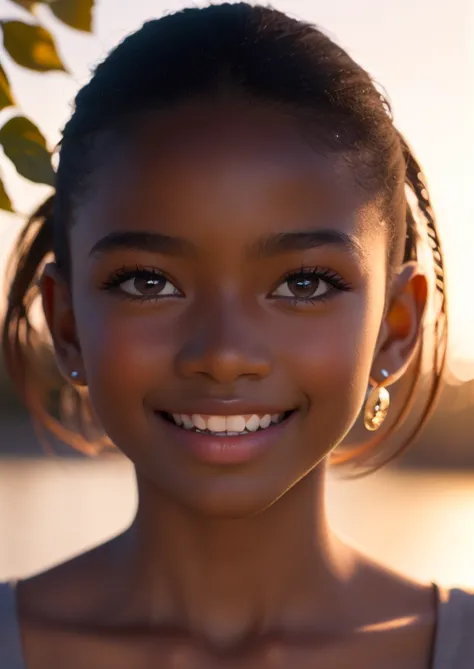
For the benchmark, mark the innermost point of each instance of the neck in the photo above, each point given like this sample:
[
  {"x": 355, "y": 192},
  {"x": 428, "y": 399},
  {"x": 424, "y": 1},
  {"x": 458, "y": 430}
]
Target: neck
[{"x": 229, "y": 578}]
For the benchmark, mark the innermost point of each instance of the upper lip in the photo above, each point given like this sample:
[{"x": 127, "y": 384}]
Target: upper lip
[{"x": 226, "y": 408}]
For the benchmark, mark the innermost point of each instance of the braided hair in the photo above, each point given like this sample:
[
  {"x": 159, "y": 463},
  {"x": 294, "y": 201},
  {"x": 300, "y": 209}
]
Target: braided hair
[
  {"x": 359, "y": 456},
  {"x": 269, "y": 57}
]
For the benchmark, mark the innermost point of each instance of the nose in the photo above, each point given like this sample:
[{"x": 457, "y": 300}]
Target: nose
[{"x": 223, "y": 345}]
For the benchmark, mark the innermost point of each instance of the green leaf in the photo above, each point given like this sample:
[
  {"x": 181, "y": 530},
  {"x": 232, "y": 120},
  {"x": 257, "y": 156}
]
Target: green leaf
[
  {"x": 5, "y": 202},
  {"x": 6, "y": 96},
  {"x": 26, "y": 147},
  {"x": 31, "y": 46},
  {"x": 74, "y": 13},
  {"x": 26, "y": 4}
]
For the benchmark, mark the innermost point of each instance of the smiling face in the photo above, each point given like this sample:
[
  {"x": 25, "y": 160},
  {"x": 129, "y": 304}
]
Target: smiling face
[{"x": 222, "y": 267}]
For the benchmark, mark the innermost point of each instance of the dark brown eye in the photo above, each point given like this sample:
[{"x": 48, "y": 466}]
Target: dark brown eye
[
  {"x": 148, "y": 284},
  {"x": 303, "y": 287}
]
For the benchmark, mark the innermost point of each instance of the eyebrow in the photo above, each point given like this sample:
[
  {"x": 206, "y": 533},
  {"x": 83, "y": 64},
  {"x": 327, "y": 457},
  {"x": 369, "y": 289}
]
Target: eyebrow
[
  {"x": 142, "y": 241},
  {"x": 273, "y": 245},
  {"x": 286, "y": 242}
]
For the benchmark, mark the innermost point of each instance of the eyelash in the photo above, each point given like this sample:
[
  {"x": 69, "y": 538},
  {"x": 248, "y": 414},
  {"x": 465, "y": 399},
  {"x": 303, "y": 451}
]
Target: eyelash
[
  {"x": 335, "y": 281},
  {"x": 123, "y": 274},
  {"x": 138, "y": 272}
]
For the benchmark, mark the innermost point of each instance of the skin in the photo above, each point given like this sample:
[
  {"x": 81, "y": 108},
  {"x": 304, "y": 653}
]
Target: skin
[{"x": 228, "y": 566}]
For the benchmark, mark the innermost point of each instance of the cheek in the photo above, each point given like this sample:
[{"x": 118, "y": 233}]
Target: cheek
[
  {"x": 125, "y": 351},
  {"x": 332, "y": 358}
]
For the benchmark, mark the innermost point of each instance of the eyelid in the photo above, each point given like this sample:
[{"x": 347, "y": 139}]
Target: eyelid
[
  {"x": 324, "y": 273},
  {"x": 125, "y": 273},
  {"x": 128, "y": 271}
]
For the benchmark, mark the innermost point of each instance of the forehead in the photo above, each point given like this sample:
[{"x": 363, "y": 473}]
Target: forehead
[{"x": 235, "y": 164}]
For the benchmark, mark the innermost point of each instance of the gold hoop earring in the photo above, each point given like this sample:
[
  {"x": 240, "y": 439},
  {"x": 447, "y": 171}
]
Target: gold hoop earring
[{"x": 376, "y": 406}]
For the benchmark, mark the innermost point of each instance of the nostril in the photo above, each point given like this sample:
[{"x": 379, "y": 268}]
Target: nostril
[{"x": 222, "y": 360}]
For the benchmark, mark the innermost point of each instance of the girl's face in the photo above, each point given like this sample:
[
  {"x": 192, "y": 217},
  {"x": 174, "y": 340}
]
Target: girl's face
[{"x": 226, "y": 273}]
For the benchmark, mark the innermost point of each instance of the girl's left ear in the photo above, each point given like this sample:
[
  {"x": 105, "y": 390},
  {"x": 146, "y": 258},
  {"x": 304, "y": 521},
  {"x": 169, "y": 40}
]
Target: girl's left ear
[{"x": 402, "y": 326}]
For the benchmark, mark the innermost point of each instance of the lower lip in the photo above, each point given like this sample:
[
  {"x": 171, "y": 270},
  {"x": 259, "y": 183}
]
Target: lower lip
[{"x": 232, "y": 450}]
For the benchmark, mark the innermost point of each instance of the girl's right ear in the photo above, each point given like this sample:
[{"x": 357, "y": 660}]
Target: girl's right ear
[{"x": 57, "y": 306}]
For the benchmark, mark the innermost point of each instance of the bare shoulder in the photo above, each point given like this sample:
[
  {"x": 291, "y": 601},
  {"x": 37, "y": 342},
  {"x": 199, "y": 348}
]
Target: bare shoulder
[
  {"x": 60, "y": 609},
  {"x": 396, "y": 595},
  {"x": 70, "y": 590},
  {"x": 400, "y": 615}
]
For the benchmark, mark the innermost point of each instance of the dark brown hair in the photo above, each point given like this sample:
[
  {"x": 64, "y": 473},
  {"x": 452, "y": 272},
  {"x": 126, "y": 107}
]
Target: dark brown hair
[{"x": 268, "y": 57}]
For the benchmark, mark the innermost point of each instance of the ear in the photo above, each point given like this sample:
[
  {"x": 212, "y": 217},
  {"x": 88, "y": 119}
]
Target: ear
[
  {"x": 402, "y": 326},
  {"x": 57, "y": 306}
]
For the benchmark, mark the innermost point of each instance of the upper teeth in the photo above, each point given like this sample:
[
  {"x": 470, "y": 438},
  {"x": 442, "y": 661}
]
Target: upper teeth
[{"x": 227, "y": 424}]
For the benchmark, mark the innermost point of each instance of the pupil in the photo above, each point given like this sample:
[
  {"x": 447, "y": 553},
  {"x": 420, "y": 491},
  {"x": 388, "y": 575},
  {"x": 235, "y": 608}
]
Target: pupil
[
  {"x": 302, "y": 287},
  {"x": 151, "y": 285}
]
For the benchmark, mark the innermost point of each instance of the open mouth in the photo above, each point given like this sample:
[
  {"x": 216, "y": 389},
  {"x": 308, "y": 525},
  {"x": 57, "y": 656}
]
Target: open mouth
[{"x": 226, "y": 426}]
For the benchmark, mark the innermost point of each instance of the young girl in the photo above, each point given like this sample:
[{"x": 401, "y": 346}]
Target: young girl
[{"x": 231, "y": 280}]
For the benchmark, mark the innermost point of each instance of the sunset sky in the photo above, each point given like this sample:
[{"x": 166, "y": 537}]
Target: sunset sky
[{"x": 422, "y": 52}]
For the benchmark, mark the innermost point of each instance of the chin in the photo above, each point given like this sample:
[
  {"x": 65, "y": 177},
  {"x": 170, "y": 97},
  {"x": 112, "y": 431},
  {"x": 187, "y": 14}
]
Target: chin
[{"x": 224, "y": 496}]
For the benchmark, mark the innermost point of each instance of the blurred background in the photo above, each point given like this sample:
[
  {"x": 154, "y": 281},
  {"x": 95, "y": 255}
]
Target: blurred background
[{"x": 418, "y": 514}]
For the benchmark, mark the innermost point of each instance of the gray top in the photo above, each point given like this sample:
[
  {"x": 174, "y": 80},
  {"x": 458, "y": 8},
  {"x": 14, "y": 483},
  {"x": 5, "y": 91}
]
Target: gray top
[
  {"x": 453, "y": 644},
  {"x": 11, "y": 654}
]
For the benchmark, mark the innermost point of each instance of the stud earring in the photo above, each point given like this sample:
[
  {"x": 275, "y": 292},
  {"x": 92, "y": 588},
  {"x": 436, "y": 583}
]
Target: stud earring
[
  {"x": 74, "y": 375},
  {"x": 377, "y": 405}
]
